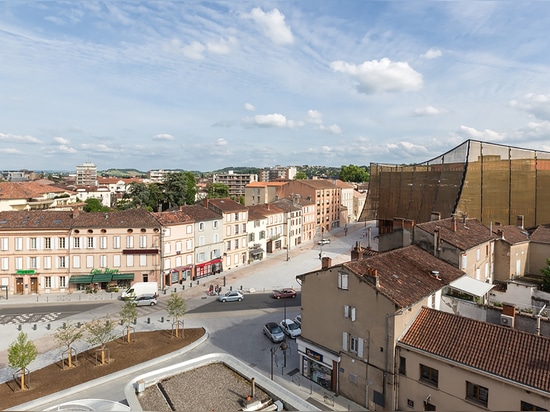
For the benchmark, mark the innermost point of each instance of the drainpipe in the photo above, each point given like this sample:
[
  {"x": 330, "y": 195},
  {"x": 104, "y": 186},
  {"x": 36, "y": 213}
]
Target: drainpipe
[{"x": 387, "y": 362}]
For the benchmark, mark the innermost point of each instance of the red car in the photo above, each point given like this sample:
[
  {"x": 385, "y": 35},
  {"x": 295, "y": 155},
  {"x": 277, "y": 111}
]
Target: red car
[{"x": 284, "y": 293}]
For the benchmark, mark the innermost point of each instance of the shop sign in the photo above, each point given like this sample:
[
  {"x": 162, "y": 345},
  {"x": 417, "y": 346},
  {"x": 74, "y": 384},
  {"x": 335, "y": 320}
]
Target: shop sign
[
  {"x": 107, "y": 271},
  {"x": 25, "y": 272},
  {"x": 314, "y": 355}
]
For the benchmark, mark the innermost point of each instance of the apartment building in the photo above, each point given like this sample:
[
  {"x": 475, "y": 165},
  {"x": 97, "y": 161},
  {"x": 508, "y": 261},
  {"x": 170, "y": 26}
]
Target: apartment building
[
  {"x": 347, "y": 200},
  {"x": 235, "y": 181},
  {"x": 34, "y": 196},
  {"x": 208, "y": 240},
  {"x": 276, "y": 226},
  {"x": 234, "y": 225},
  {"x": 451, "y": 362},
  {"x": 257, "y": 239},
  {"x": 50, "y": 251},
  {"x": 309, "y": 216},
  {"x": 158, "y": 176},
  {"x": 259, "y": 193},
  {"x": 86, "y": 174},
  {"x": 271, "y": 174},
  {"x": 367, "y": 305},
  {"x": 294, "y": 221},
  {"x": 177, "y": 246}
]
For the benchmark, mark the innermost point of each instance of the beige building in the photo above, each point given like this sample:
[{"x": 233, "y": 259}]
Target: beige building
[
  {"x": 235, "y": 181},
  {"x": 259, "y": 193},
  {"x": 511, "y": 252},
  {"x": 450, "y": 362},
  {"x": 276, "y": 226},
  {"x": 366, "y": 305},
  {"x": 234, "y": 225},
  {"x": 539, "y": 249},
  {"x": 48, "y": 251},
  {"x": 347, "y": 200},
  {"x": 34, "y": 196},
  {"x": 293, "y": 221},
  {"x": 86, "y": 174},
  {"x": 257, "y": 239},
  {"x": 465, "y": 243}
]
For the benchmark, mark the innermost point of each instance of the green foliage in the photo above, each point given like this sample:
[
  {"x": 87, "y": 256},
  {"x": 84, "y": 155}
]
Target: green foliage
[
  {"x": 68, "y": 335},
  {"x": 179, "y": 189},
  {"x": 353, "y": 173},
  {"x": 300, "y": 176},
  {"x": 176, "y": 306},
  {"x": 546, "y": 277},
  {"x": 95, "y": 205},
  {"x": 100, "y": 332},
  {"x": 128, "y": 312},
  {"x": 22, "y": 352},
  {"x": 218, "y": 191}
]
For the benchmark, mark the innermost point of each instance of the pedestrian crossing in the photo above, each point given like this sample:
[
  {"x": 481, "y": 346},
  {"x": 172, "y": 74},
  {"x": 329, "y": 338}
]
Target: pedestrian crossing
[{"x": 29, "y": 318}]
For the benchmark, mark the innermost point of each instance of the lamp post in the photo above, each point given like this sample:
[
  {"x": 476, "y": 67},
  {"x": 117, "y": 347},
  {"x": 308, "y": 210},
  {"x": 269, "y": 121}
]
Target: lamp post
[
  {"x": 283, "y": 346},
  {"x": 288, "y": 237}
]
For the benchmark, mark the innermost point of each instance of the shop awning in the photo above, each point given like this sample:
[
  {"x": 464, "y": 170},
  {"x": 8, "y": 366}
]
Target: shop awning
[
  {"x": 102, "y": 278},
  {"x": 471, "y": 286},
  {"x": 256, "y": 252},
  {"x": 123, "y": 276},
  {"x": 81, "y": 279}
]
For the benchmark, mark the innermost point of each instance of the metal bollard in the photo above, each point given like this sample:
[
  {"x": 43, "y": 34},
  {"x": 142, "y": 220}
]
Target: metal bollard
[
  {"x": 230, "y": 288},
  {"x": 164, "y": 291},
  {"x": 241, "y": 287},
  {"x": 224, "y": 280},
  {"x": 190, "y": 284},
  {"x": 148, "y": 321},
  {"x": 197, "y": 281},
  {"x": 175, "y": 290},
  {"x": 134, "y": 321},
  {"x": 48, "y": 326},
  {"x": 162, "y": 319},
  {"x": 183, "y": 287},
  {"x": 121, "y": 322},
  {"x": 19, "y": 327},
  {"x": 34, "y": 327}
]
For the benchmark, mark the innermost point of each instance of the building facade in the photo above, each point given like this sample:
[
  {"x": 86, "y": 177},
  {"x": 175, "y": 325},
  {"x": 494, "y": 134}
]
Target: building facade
[
  {"x": 235, "y": 181},
  {"x": 86, "y": 174}
]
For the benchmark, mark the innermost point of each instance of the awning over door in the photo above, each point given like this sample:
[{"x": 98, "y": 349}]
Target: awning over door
[
  {"x": 81, "y": 279},
  {"x": 102, "y": 278},
  {"x": 471, "y": 286}
]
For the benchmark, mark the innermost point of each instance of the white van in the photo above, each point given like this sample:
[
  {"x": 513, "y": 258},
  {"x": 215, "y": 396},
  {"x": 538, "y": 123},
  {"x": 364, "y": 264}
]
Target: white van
[{"x": 141, "y": 288}]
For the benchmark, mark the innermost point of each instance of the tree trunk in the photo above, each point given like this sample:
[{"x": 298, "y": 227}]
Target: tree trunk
[
  {"x": 23, "y": 380},
  {"x": 103, "y": 356},
  {"x": 177, "y": 330},
  {"x": 128, "y": 334},
  {"x": 70, "y": 358}
]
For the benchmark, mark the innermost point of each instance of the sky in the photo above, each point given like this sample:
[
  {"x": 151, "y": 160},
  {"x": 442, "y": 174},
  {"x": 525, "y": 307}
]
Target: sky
[{"x": 202, "y": 86}]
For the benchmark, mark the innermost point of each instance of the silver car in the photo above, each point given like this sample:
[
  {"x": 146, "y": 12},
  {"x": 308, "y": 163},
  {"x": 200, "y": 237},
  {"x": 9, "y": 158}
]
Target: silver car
[
  {"x": 232, "y": 296},
  {"x": 290, "y": 328},
  {"x": 146, "y": 300},
  {"x": 274, "y": 332}
]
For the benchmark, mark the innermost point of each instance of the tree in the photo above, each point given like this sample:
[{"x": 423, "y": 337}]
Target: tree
[
  {"x": 300, "y": 176},
  {"x": 127, "y": 315},
  {"x": 218, "y": 191},
  {"x": 546, "y": 277},
  {"x": 353, "y": 173},
  {"x": 176, "y": 309},
  {"x": 66, "y": 336},
  {"x": 101, "y": 331},
  {"x": 179, "y": 188},
  {"x": 142, "y": 195},
  {"x": 94, "y": 205},
  {"x": 20, "y": 354}
]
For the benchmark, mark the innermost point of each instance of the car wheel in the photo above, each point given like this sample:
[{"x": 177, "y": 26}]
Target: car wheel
[
  {"x": 278, "y": 297},
  {"x": 152, "y": 304},
  {"x": 223, "y": 300},
  {"x": 240, "y": 299},
  {"x": 293, "y": 296}
]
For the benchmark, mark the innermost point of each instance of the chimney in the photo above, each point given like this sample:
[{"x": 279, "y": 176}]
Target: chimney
[
  {"x": 326, "y": 262},
  {"x": 76, "y": 212},
  {"x": 464, "y": 219},
  {"x": 376, "y": 278},
  {"x": 521, "y": 221},
  {"x": 435, "y": 274},
  {"x": 206, "y": 203},
  {"x": 453, "y": 224}
]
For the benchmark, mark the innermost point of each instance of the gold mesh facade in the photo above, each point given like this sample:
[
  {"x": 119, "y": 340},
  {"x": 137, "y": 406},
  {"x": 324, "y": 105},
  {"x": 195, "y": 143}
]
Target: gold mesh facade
[{"x": 490, "y": 182}]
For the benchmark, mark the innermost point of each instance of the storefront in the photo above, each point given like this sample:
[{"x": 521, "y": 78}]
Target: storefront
[
  {"x": 318, "y": 364},
  {"x": 208, "y": 268},
  {"x": 256, "y": 254},
  {"x": 178, "y": 275},
  {"x": 108, "y": 279}
]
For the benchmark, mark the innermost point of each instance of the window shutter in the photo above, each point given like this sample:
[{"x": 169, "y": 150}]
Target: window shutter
[
  {"x": 345, "y": 341},
  {"x": 346, "y": 311},
  {"x": 360, "y": 348},
  {"x": 353, "y": 310}
]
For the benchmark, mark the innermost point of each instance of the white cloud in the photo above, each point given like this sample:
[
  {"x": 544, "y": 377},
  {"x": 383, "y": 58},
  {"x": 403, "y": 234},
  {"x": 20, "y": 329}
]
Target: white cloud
[
  {"x": 8, "y": 137},
  {"x": 273, "y": 25},
  {"x": 427, "y": 111},
  {"x": 60, "y": 140},
  {"x": 66, "y": 149},
  {"x": 221, "y": 142},
  {"x": 486, "y": 135},
  {"x": 249, "y": 107},
  {"x": 272, "y": 120},
  {"x": 333, "y": 129},
  {"x": 221, "y": 46},
  {"x": 380, "y": 76},
  {"x": 10, "y": 151},
  {"x": 163, "y": 136},
  {"x": 194, "y": 50},
  {"x": 314, "y": 116},
  {"x": 537, "y": 105},
  {"x": 103, "y": 148},
  {"x": 432, "y": 54}
]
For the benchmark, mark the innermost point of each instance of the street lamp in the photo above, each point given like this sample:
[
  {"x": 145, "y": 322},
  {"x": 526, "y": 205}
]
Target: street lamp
[{"x": 283, "y": 346}]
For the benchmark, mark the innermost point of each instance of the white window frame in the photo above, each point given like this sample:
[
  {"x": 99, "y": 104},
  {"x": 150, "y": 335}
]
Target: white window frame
[
  {"x": 143, "y": 241},
  {"x": 116, "y": 242},
  {"x": 343, "y": 279},
  {"x": 62, "y": 262}
]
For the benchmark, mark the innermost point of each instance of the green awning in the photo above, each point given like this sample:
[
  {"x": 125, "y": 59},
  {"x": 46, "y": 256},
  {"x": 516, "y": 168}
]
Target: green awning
[
  {"x": 102, "y": 278},
  {"x": 81, "y": 279},
  {"x": 123, "y": 276}
]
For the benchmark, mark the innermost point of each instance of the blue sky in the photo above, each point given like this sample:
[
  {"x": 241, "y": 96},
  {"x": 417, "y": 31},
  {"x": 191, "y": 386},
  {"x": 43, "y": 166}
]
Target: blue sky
[{"x": 205, "y": 85}]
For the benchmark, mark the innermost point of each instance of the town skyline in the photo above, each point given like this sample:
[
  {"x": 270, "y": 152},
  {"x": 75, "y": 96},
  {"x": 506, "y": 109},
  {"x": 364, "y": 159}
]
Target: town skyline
[{"x": 202, "y": 85}]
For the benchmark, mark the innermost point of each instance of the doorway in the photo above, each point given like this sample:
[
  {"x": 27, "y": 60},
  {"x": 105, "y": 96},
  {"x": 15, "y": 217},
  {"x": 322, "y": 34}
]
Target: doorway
[
  {"x": 19, "y": 286},
  {"x": 34, "y": 285}
]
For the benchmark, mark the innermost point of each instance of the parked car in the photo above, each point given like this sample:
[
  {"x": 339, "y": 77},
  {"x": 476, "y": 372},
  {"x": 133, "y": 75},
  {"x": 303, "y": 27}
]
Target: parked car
[
  {"x": 274, "y": 332},
  {"x": 146, "y": 300},
  {"x": 290, "y": 328},
  {"x": 232, "y": 296},
  {"x": 298, "y": 320},
  {"x": 324, "y": 241},
  {"x": 284, "y": 293}
]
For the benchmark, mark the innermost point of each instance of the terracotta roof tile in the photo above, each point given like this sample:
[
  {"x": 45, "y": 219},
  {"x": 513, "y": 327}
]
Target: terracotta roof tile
[
  {"x": 541, "y": 234},
  {"x": 467, "y": 235},
  {"x": 173, "y": 217},
  {"x": 508, "y": 353},
  {"x": 266, "y": 209},
  {"x": 200, "y": 213},
  {"x": 512, "y": 234},
  {"x": 126, "y": 218},
  {"x": 24, "y": 190},
  {"x": 226, "y": 205},
  {"x": 35, "y": 219},
  {"x": 405, "y": 275}
]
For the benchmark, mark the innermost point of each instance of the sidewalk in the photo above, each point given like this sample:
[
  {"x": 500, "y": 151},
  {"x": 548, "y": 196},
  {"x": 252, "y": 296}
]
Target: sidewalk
[{"x": 261, "y": 276}]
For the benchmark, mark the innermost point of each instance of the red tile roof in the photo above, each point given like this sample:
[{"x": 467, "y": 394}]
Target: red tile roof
[
  {"x": 541, "y": 234},
  {"x": 35, "y": 219},
  {"x": 131, "y": 218},
  {"x": 469, "y": 233},
  {"x": 173, "y": 217},
  {"x": 512, "y": 234},
  {"x": 508, "y": 353},
  {"x": 225, "y": 205},
  {"x": 24, "y": 190}
]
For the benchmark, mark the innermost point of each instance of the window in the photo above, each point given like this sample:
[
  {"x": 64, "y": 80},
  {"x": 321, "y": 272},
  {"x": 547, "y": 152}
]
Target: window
[
  {"x": 89, "y": 261},
  {"x": 129, "y": 241},
  {"x": 251, "y": 237},
  {"x": 478, "y": 254},
  {"x": 402, "y": 366},
  {"x": 215, "y": 224},
  {"x": 116, "y": 242},
  {"x": 143, "y": 260},
  {"x": 189, "y": 244},
  {"x": 103, "y": 261},
  {"x": 236, "y": 216},
  {"x": 103, "y": 242},
  {"x": 201, "y": 226},
  {"x": 244, "y": 228},
  {"x": 76, "y": 261},
  {"x": 526, "y": 406},
  {"x": 33, "y": 243},
  {"x": 201, "y": 257},
  {"x": 130, "y": 260},
  {"x": 429, "y": 375},
  {"x": 477, "y": 393},
  {"x": 262, "y": 234},
  {"x": 116, "y": 261},
  {"x": 236, "y": 243},
  {"x": 4, "y": 243},
  {"x": 216, "y": 238},
  {"x": 189, "y": 229},
  {"x": 33, "y": 263},
  {"x": 91, "y": 243},
  {"x": 342, "y": 280},
  {"x": 48, "y": 282},
  {"x": 228, "y": 245},
  {"x": 62, "y": 243},
  {"x": 236, "y": 229},
  {"x": 18, "y": 243},
  {"x": 143, "y": 241},
  {"x": 76, "y": 243},
  {"x": 349, "y": 312},
  {"x": 228, "y": 230},
  {"x": 201, "y": 240},
  {"x": 5, "y": 263},
  {"x": 47, "y": 243},
  {"x": 62, "y": 262},
  {"x": 62, "y": 281}
]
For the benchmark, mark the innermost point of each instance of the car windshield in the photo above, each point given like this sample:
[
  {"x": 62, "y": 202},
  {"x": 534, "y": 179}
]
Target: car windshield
[
  {"x": 276, "y": 329},
  {"x": 293, "y": 326}
]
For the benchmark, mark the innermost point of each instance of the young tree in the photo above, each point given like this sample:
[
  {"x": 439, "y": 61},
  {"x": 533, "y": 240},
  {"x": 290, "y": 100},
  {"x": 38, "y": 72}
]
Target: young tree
[
  {"x": 20, "y": 354},
  {"x": 67, "y": 336},
  {"x": 546, "y": 277},
  {"x": 300, "y": 176},
  {"x": 100, "y": 332},
  {"x": 176, "y": 309},
  {"x": 127, "y": 315},
  {"x": 353, "y": 173},
  {"x": 218, "y": 191}
]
